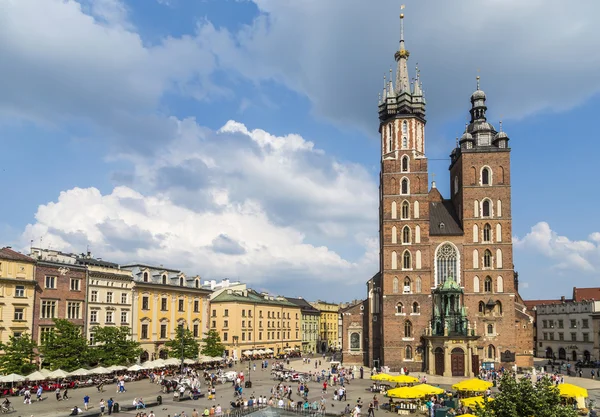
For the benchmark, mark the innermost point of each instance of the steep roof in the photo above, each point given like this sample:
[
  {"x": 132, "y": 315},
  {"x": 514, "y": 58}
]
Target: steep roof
[
  {"x": 303, "y": 304},
  {"x": 580, "y": 294},
  {"x": 11, "y": 255},
  {"x": 443, "y": 220}
]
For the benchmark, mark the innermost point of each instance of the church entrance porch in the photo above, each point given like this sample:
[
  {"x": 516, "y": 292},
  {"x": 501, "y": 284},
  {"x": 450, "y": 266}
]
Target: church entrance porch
[{"x": 452, "y": 356}]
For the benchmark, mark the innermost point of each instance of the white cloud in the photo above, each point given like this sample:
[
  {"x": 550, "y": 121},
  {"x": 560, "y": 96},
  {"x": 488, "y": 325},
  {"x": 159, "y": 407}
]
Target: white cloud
[
  {"x": 235, "y": 203},
  {"x": 566, "y": 254}
]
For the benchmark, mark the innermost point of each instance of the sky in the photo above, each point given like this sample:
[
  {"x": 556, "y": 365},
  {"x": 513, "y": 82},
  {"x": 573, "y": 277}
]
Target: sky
[{"x": 239, "y": 138}]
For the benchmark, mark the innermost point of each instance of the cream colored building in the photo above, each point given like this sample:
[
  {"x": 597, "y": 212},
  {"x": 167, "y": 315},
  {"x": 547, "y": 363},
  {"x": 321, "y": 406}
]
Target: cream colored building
[
  {"x": 248, "y": 320},
  {"x": 17, "y": 293},
  {"x": 109, "y": 295},
  {"x": 329, "y": 331}
]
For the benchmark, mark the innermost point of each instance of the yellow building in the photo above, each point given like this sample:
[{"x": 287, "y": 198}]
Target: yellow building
[
  {"x": 248, "y": 320},
  {"x": 163, "y": 300},
  {"x": 17, "y": 293},
  {"x": 329, "y": 326}
]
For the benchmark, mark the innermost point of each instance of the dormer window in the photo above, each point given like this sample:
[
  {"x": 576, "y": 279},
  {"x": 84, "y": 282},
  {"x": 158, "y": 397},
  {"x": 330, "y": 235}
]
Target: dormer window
[
  {"x": 164, "y": 280},
  {"x": 145, "y": 277},
  {"x": 197, "y": 283},
  {"x": 181, "y": 281},
  {"x": 442, "y": 225}
]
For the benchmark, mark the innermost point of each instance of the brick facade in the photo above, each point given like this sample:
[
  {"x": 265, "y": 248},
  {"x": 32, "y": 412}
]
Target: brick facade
[
  {"x": 355, "y": 334},
  {"x": 61, "y": 294}
]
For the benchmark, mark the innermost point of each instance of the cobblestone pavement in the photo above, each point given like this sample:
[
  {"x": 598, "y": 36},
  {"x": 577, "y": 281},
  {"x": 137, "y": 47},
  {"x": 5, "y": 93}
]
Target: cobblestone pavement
[{"x": 262, "y": 383}]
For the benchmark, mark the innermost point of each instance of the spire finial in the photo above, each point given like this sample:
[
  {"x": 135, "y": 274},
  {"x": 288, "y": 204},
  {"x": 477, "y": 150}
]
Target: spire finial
[
  {"x": 402, "y": 24},
  {"x": 500, "y": 124},
  {"x": 478, "y": 78}
]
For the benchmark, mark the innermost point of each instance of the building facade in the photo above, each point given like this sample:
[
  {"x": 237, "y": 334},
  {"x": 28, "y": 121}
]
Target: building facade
[
  {"x": 354, "y": 333},
  {"x": 309, "y": 325},
  {"x": 248, "y": 320},
  {"x": 17, "y": 293},
  {"x": 446, "y": 298},
  {"x": 164, "y": 300},
  {"x": 329, "y": 326},
  {"x": 60, "y": 292},
  {"x": 567, "y": 329},
  {"x": 109, "y": 295}
]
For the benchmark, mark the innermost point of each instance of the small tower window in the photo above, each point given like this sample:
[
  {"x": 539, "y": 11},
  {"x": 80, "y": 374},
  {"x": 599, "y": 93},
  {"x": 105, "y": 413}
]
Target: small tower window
[
  {"x": 415, "y": 308},
  {"x": 485, "y": 176},
  {"x": 399, "y": 308},
  {"x": 455, "y": 184},
  {"x": 404, "y": 142},
  {"x": 405, "y": 163},
  {"x": 487, "y": 233},
  {"x": 390, "y": 139},
  {"x": 404, "y": 186},
  {"x": 487, "y": 259},
  {"x": 406, "y": 261},
  {"x": 488, "y": 284},
  {"x": 406, "y": 234},
  {"x": 405, "y": 210},
  {"x": 404, "y": 127},
  {"x": 485, "y": 208},
  {"x": 407, "y": 329}
]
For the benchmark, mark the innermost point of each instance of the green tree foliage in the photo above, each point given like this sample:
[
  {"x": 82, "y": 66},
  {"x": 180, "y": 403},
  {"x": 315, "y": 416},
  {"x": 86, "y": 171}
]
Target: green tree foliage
[
  {"x": 523, "y": 398},
  {"x": 212, "y": 344},
  {"x": 65, "y": 347},
  {"x": 19, "y": 355},
  {"x": 115, "y": 346},
  {"x": 190, "y": 345}
]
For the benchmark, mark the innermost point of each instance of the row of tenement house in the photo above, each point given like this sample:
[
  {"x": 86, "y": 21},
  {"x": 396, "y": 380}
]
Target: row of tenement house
[{"x": 154, "y": 301}]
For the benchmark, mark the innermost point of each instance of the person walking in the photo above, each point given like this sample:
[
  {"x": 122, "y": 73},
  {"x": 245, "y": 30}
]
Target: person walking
[
  {"x": 102, "y": 406},
  {"x": 371, "y": 410},
  {"x": 86, "y": 402},
  {"x": 110, "y": 404},
  {"x": 39, "y": 392},
  {"x": 57, "y": 392},
  {"x": 66, "y": 394}
]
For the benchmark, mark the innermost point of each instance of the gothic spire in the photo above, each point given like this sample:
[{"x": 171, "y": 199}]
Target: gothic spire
[{"x": 402, "y": 80}]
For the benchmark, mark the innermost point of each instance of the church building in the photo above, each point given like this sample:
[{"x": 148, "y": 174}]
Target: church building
[{"x": 445, "y": 300}]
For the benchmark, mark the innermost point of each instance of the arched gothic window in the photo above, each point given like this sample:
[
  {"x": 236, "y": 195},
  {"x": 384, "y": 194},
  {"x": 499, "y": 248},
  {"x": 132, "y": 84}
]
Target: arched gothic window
[
  {"x": 404, "y": 127},
  {"x": 399, "y": 308},
  {"x": 145, "y": 277},
  {"x": 405, "y": 163},
  {"x": 408, "y": 353},
  {"x": 487, "y": 233},
  {"x": 487, "y": 259},
  {"x": 395, "y": 285},
  {"x": 405, "y": 210},
  {"x": 485, "y": 208},
  {"x": 488, "y": 284},
  {"x": 406, "y": 261},
  {"x": 498, "y": 307},
  {"x": 406, "y": 234},
  {"x": 407, "y": 329},
  {"x": 455, "y": 184},
  {"x": 404, "y": 142},
  {"x": 418, "y": 285},
  {"x": 490, "y": 329},
  {"x": 390, "y": 137},
  {"x": 476, "y": 284},
  {"x": 491, "y": 352},
  {"x": 407, "y": 285},
  {"x": 485, "y": 176},
  {"x": 415, "y": 308},
  {"x": 446, "y": 263},
  {"x": 404, "y": 186},
  {"x": 481, "y": 307}
]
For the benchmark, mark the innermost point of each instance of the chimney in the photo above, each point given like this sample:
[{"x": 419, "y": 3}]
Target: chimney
[{"x": 562, "y": 298}]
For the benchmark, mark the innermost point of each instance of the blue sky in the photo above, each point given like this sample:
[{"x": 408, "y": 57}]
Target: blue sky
[{"x": 238, "y": 139}]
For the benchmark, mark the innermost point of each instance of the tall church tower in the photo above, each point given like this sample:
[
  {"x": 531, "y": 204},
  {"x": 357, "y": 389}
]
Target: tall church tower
[{"x": 404, "y": 212}]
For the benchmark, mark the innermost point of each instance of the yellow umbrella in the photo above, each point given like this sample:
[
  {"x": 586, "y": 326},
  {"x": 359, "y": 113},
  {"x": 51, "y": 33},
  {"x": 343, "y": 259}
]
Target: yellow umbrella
[
  {"x": 472, "y": 401},
  {"x": 429, "y": 389},
  {"x": 407, "y": 393},
  {"x": 381, "y": 377},
  {"x": 475, "y": 385},
  {"x": 403, "y": 379},
  {"x": 468, "y": 415},
  {"x": 572, "y": 391}
]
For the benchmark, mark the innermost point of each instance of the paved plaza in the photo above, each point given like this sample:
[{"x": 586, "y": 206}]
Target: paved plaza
[{"x": 262, "y": 382}]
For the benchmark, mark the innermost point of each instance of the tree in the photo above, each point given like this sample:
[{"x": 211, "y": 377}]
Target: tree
[
  {"x": 521, "y": 398},
  {"x": 115, "y": 346},
  {"x": 212, "y": 344},
  {"x": 19, "y": 355},
  {"x": 65, "y": 347},
  {"x": 183, "y": 338}
]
